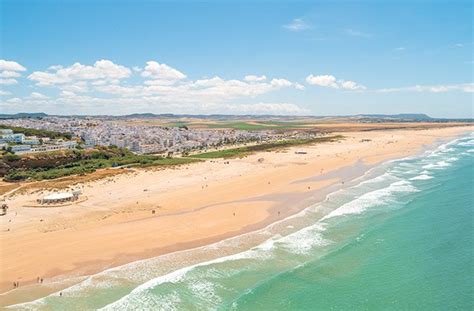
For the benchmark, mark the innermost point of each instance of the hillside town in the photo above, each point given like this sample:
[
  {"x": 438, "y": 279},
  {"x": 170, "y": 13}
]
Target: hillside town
[
  {"x": 20, "y": 143},
  {"x": 141, "y": 139}
]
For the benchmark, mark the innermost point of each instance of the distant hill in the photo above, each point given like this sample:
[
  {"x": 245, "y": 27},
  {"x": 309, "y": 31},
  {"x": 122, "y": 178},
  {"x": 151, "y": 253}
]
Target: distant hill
[
  {"x": 406, "y": 117},
  {"x": 24, "y": 115},
  {"x": 402, "y": 117},
  {"x": 144, "y": 115}
]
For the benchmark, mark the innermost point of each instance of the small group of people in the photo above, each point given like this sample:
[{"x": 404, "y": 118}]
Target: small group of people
[{"x": 16, "y": 284}]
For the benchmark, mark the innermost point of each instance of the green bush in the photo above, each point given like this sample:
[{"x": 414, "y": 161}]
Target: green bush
[
  {"x": 79, "y": 162},
  {"x": 9, "y": 157}
]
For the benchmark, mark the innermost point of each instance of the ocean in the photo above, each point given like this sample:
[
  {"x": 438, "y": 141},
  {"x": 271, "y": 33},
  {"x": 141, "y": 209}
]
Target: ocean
[{"x": 401, "y": 237}]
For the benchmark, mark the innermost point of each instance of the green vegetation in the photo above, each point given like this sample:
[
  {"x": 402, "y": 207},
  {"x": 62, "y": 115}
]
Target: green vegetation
[
  {"x": 243, "y": 125},
  {"x": 60, "y": 164},
  {"x": 285, "y": 124},
  {"x": 35, "y": 132},
  {"x": 247, "y": 150},
  {"x": 239, "y": 126},
  {"x": 260, "y": 125}
]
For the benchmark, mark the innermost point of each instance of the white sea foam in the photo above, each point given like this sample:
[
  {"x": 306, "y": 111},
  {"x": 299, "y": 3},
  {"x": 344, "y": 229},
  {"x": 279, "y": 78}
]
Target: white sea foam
[
  {"x": 437, "y": 165},
  {"x": 448, "y": 147},
  {"x": 371, "y": 199},
  {"x": 299, "y": 242},
  {"x": 422, "y": 177},
  {"x": 268, "y": 244},
  {"x": 205, "y": 291},
  {"x": 467, "y": 143},
  {"x": 173, "y": 277},
  {"x": 302, "y": 241},
  {"x": 168, "y": 302},
  {"x": 378, "y": 179}
]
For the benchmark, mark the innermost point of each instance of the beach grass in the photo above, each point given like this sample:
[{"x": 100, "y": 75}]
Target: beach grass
[{"x": 56, "y": 165}]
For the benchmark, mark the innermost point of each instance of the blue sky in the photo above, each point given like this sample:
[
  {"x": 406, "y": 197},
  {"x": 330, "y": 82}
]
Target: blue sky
[{"x": 237, "y": 57}]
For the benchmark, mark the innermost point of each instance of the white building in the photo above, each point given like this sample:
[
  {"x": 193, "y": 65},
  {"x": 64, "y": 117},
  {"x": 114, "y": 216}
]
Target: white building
[
  {"x": 21, "y": 148},
  {"x": 32, "y": 140},
  {"x": 12, "y": 138}
]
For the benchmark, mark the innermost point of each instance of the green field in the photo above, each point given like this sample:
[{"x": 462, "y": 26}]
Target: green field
[
  {"x": 247, "y": 126},
  {"x": 247, "y": 150}
]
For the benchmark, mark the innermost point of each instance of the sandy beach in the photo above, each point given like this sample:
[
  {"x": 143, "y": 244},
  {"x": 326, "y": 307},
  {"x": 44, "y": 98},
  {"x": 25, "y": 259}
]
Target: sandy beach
[{"x": 145, "y": 213}]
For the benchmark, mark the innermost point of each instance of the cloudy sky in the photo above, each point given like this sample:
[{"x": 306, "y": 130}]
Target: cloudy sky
[{"x": 237, "y": 57}]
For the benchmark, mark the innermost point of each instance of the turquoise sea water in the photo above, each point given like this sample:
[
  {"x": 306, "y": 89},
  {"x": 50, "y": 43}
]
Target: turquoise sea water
[{"x": 399, "y": 238}]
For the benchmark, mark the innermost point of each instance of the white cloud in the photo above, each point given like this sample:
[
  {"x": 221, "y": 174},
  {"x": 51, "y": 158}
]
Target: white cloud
[
  {"x": 8, "y": 81},
  {"x": 55, "y": 67},
  {"x": 323, "y": 80},
  {"x": 90, "y": 104},
  {"x": 254, "y": 78},
  {"x": 6, "y": 65},
  {"x": 211, "y": 89},
  {"x": 14, "y": 100},
  {"x": 36, "y": 95},
  {"x": 351, "y": 85},
  {"x": 67, "y": 94},
  {"x": 331, "y": 82},
  {"x": 298, "y": 24},
  {"x": 160, "y": 80},
  {"x": 463, "y": 87},
  {"x": 4, "y": 93},
  {"x": 218, "y": 88},
  {"x": 400, "y": 49},
  {"x": 9, "y": 74},
  {"x": 299, "y": 86},
  {"x": 102, "y": 69},
  {"x": 161, "y": 73},
  {"x": 161, "y": 87},
  {"x": 77, "y": 87},
  {"x": 8, "y": 70},
  {"x": 279, "y": 83}
]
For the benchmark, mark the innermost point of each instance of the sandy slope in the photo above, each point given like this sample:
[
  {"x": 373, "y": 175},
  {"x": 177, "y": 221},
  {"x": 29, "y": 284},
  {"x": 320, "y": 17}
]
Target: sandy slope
[{"x": 194, "y": 205}]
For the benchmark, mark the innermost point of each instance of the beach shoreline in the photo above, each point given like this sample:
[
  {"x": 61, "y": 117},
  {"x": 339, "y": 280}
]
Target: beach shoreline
[{"x": 244, "y": 196}]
